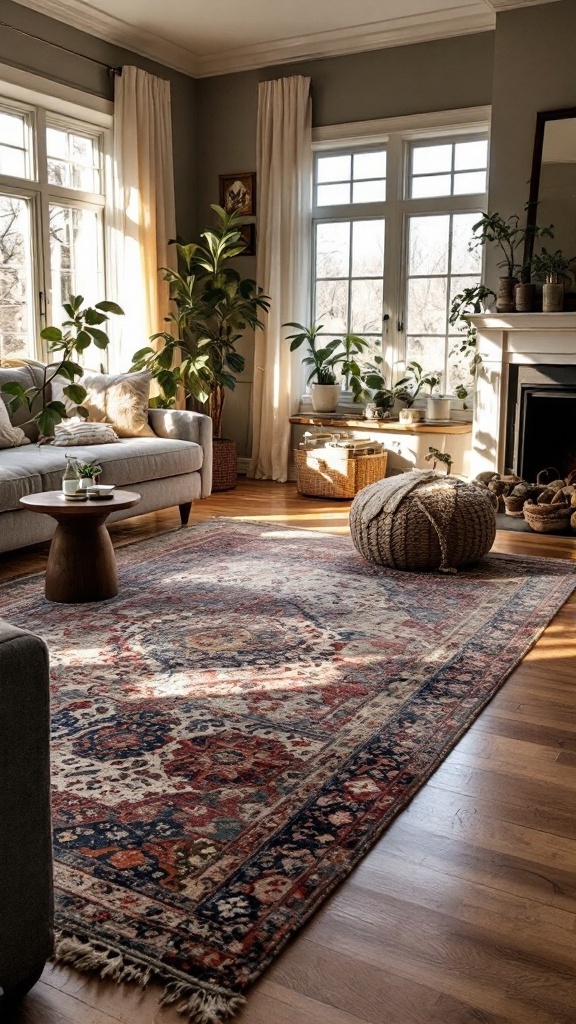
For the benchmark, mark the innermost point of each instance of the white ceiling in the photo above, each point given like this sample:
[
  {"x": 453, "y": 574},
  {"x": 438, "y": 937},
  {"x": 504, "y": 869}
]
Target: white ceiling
[{"x": 202, "y": 39}]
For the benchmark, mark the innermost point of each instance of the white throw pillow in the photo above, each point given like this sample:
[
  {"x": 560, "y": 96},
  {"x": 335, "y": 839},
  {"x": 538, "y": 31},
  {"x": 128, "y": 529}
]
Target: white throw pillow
[
  {"x": 10, "y": 437},
  {"x": 78, "y": 431}
]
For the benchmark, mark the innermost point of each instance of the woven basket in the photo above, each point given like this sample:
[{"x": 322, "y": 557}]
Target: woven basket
[
  {"x": 547, "y": 518},
  {"x": 329, "y": 473},
  {"x": 224, "y": 464}
]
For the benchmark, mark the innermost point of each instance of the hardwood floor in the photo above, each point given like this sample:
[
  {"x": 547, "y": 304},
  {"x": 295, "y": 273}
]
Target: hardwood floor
[{"x": 465, "y": 910}]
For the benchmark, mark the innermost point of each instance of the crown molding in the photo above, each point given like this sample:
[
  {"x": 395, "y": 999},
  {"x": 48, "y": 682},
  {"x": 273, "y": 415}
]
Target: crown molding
[
  {"x": 359, "y": 39},
  {"x": 89, "y": 19},
  {"x": 380, "y": 35},
  {"x": 515, "y": 5}
]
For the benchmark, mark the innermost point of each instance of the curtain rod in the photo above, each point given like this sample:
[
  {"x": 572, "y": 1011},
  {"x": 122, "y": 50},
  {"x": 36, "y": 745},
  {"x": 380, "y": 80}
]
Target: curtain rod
[{"x": 112, "y": 71}]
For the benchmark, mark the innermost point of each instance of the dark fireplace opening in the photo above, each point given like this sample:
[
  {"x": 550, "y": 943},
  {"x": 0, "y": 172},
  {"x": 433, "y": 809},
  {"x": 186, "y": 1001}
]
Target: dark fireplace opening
[{"x": 541, "y": 422}]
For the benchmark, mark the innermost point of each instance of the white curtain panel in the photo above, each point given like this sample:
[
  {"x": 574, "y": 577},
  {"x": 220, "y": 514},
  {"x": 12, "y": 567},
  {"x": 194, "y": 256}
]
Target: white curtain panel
[
  {"x": 143, "y": 219},
  {"x": 284, "y": 175}
]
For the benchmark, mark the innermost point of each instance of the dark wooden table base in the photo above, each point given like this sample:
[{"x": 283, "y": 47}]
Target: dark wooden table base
[{"x": 81, "y": 564}]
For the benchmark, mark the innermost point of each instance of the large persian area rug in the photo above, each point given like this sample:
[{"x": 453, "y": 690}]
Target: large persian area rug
[{"x": 234, "y": 731}]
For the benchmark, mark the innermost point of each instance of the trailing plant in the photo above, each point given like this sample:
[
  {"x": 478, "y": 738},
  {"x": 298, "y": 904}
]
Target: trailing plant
[
  {"x": 435, "y": 456},
  {"x": 82, "y": 329},
  {"x": 468, "y": 302},
  {"x": 416, "y": 379},
  {"x": 507, "y": 236},
  {"x": 213, "y": 306}
]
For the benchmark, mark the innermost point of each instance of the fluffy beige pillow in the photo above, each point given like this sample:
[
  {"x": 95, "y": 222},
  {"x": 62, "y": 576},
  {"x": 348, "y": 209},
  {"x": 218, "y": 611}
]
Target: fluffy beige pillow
[
  {"x": 10, "y": 437},
  {"x": 120, "y": 399}
]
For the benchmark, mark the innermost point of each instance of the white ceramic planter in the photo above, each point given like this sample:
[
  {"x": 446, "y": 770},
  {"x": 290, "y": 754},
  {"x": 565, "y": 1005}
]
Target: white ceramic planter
[
  {"x": 85, "y": 482},
  {"x": 325, "y": 397},
  {"x": 438, "y": 408}
]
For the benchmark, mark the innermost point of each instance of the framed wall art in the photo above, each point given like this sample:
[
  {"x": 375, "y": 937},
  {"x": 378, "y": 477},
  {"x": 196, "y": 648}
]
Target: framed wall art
[{"x": 238, "y": 193}]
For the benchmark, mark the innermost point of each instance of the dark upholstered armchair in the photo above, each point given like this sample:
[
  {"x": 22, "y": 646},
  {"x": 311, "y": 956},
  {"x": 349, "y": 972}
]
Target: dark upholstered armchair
[{"x": 26, "y": 899}]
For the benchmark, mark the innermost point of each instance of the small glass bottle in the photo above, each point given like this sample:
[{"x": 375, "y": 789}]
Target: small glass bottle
[{"x": 71, "y": 476}]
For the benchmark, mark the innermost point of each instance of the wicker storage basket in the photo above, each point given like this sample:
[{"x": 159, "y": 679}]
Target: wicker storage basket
[
  {"x": 547, "y": 518},
  {"x": 330, "y": 473},
  {"x": 224, "y": 464}
]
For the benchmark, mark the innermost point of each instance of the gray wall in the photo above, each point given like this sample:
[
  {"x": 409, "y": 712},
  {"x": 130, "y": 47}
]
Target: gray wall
[
  {"x": 358, "y": 87},
  {"x": 19, "y": 49},
  {"x": 534, "y": 69}
]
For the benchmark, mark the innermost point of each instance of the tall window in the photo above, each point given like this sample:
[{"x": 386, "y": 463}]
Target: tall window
[
  {"x": 51, "y": 221},
  {"x": 391, "y": 229}
]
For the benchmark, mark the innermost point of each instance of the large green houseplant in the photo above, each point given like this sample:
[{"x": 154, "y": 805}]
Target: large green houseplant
[
  {"x": 212, "y": 306},
  {"x": 509, "y": 238}
]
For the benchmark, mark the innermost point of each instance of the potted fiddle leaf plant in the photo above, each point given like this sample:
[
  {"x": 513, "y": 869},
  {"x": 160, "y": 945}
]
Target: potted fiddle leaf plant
[{"x": 212, "y": 306}]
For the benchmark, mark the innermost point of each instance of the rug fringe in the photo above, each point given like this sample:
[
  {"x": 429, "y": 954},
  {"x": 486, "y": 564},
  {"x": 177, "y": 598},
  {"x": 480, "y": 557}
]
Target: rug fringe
[{"x": 200, "y": 1003}]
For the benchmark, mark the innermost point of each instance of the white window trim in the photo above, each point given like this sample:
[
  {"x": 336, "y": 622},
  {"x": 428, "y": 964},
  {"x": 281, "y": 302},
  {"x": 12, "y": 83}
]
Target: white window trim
[
  {"x": 28, "y": 93},
  {"x": 396, "y": 133}
]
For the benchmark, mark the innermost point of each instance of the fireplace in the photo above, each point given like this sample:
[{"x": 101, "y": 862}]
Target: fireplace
[
  {"x": 541, "y": 420},
  {"x": 525, "y": 403}
]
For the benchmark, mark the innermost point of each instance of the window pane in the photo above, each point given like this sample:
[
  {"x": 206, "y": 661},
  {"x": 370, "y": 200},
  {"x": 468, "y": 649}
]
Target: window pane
[
  {"x": 369, "y": 192},
  {"x": 13, "y": 161},
  {"x": 12, "y": 130},
  {"x": 428, "y": 245},
  {"x": 333, "y": 249},
  {"x": 73, "y": 160},
  {"x": 332, "y": 306},
  {"x": 56, "y": 143},
  {"x": 15, "y": 278},
  {"x": 435, "y": 185},
  {"x": 470, "y": 155},
  {"x": 333, "y": 195},
  {"x": 431, "y": 159},
  {"x": 370, "y": 165},
  {"x": 464, "y": 261},
  {"x": 458, "y": 284},
  {"x": 366, "y": 313},
  {"x": 334, "y": 168},
  {"x": 429, "y": 352},
  {"x": 75, "y": 256},
  {"x": 469, "y": 183},
  {"x": 368, "y": 248},
  {"x": 427, "y": 306},
  {"x": 458, "y": 370}
]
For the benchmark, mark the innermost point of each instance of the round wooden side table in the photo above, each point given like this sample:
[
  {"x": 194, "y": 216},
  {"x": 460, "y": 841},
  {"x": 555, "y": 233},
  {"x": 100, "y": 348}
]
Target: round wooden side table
[{"x": 81, "y": 563}]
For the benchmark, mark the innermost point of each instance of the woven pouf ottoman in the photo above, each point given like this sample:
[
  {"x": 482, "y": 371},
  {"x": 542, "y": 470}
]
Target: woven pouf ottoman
[{"x": 421, "y": 521}]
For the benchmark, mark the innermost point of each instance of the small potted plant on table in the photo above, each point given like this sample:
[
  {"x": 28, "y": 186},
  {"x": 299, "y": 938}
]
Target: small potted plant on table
[{"x": 89, "y": 474}]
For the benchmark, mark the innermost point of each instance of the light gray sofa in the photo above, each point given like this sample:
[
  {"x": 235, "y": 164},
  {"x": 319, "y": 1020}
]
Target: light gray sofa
[
  {"x": 26, "y": 901},
  {"x": 172, "y": 468}
]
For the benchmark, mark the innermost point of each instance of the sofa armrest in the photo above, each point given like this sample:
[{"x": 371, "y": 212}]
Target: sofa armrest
[{"x": 187, "y": 426}]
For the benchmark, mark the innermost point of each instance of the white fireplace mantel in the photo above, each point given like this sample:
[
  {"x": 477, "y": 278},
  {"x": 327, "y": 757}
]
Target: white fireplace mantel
[{"x": 504, "y": 339}]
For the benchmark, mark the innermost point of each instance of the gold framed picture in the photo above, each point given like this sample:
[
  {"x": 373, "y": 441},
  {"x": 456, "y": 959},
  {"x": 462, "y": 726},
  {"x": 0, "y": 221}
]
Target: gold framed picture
[{"x": 238, "y": 193}]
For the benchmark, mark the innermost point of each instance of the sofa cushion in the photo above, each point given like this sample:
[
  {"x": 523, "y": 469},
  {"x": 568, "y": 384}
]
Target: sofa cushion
[{"x": 130, "y": 461}]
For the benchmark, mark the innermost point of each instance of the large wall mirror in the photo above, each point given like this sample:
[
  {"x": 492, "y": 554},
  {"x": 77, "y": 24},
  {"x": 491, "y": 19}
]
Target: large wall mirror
[{"x": 553, "y": 182}]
